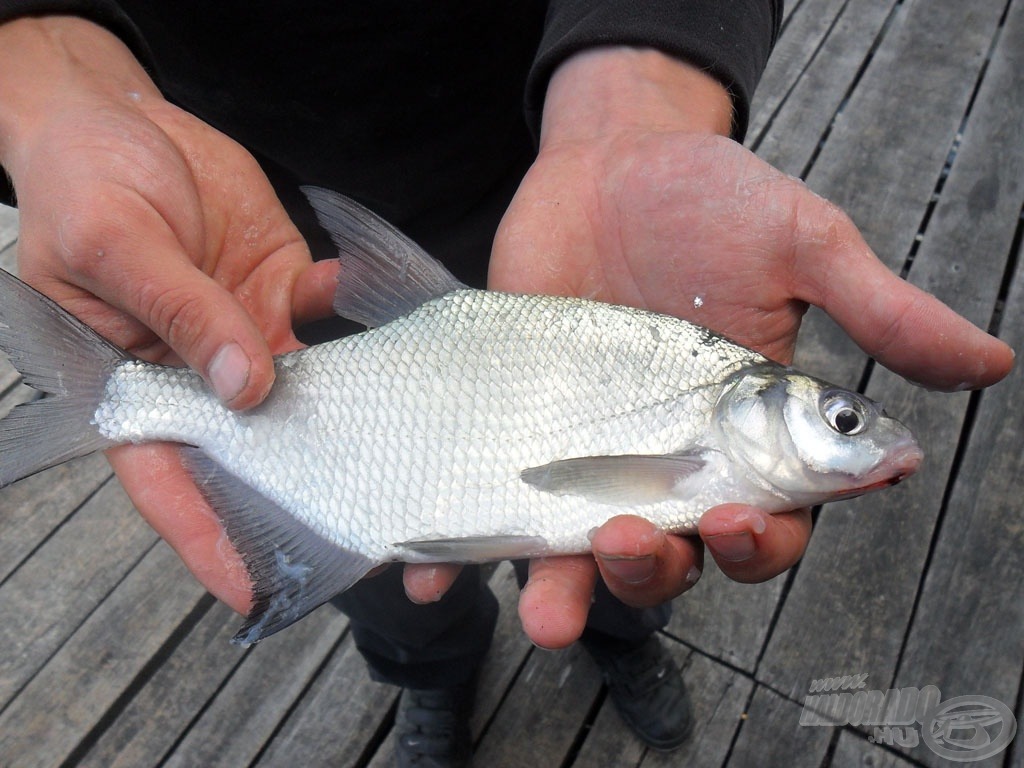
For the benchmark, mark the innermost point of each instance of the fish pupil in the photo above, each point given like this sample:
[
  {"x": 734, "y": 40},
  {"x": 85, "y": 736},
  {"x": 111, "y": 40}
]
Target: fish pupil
[{"x": 847, "y": 421}]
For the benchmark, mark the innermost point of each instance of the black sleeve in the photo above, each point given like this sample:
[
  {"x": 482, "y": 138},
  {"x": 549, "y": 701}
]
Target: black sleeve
[{"x": 730, "y": 39}]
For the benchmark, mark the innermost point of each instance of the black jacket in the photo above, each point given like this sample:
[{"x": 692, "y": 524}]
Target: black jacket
[{"x": 426, "y": 111}]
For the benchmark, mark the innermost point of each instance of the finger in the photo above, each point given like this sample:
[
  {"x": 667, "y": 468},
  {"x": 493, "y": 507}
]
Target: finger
[
  {"x": 906, "y": 329},
  {"x": 130, "y": 258},
  {"x": 554, "y": 604},
  {"x": 750, "y": 545},
  {"x": 165, "y": 495},
  {"x": 642, "y": 565},
  {"x": 428, "y": 582},
  {"x": 313, "y": 295}
]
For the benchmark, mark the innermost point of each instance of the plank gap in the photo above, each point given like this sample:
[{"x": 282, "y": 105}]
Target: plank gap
[
  {"x": 857, "y": 77},
  {"x": 963, "y": 445},
  {"x": 328, "y": 659},
  {"x": 755, "y": 144},
  {"x": 585, "y": 728},
  {"x": 187, "y": 624},
  {"x": 380, "y": 735},
  {"x": 504, "y": 697},
  {"x": 173, "y": 747},
  {"x": 1009, "y": 273},
  {"x": 56, "y": 529}
]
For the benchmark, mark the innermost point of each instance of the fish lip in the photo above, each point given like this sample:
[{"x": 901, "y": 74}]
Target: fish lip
[{"x": 896, "y": 467}]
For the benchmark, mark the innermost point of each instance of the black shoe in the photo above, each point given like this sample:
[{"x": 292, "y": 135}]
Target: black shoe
[
  {"x": 647, "y": 688},
  {"x": 432, "y": 727}
]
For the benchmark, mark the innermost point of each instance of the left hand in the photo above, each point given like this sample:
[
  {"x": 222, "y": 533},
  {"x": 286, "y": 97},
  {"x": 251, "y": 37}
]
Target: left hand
[{"x": 637, "y": 198}]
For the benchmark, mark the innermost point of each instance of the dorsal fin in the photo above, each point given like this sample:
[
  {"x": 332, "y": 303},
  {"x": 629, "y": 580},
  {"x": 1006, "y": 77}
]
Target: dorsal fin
[{"x": 384, "y": 274}]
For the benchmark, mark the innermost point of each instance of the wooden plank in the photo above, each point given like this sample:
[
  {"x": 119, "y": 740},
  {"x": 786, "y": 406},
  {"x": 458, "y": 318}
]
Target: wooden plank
[
  {"x": 725, "y": 619},
  {"x": 538, "y": 722},
  {"x": 887, "y": 148},
  {"x": 804, "y": 30},
  {"x": 33, "y": 508},
  {"x": 971, "y": 640},
  {"x": 69, "y": 696},
  {"x": 800, "y": 124},
  {"x": 771, "y": 734},
  {"x": 45, "y": 601},
  {"x": 968, "y": 632},
  {"x": 337, "y": 721},
  {"x": 854, "y": 749},
  {"x": 160, "y": 712},
  {"x": 247, "y": 711},
  {"x": 860, "y": 627}
]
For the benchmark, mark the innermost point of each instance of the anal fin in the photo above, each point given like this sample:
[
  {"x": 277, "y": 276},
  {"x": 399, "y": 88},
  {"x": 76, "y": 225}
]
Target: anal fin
[{"x": 293, "y": 569}]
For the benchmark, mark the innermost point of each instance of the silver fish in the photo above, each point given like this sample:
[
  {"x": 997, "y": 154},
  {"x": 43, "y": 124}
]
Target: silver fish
[{"x": 462, "y": 426}]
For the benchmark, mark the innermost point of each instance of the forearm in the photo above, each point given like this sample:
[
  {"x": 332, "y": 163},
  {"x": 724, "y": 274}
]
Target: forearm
[
  {"x": 47, "y": 65},
  {"x": 606, "y": 91}
]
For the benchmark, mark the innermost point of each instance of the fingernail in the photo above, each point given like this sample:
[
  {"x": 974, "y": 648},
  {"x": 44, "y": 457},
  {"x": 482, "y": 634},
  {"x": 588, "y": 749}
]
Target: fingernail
[
  {"x": 734, "y": 547},
  {"x": 632, "y": 570},
  {"x": 693, "y": 574},
  {"x": 229, "y": 372}
]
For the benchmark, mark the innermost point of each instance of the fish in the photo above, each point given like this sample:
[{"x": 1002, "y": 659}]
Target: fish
[{"x": 462, "y": 425}]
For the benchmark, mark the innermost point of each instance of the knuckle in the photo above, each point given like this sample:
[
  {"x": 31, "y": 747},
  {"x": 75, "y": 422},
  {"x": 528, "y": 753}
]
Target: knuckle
[{"x": 175, "y": 313}]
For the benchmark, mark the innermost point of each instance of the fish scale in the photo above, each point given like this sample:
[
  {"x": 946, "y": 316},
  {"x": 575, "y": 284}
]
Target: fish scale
[{"x": 463, "y": 425}]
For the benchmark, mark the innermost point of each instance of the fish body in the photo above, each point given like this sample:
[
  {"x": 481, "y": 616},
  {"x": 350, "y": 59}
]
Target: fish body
[{"x": 463, "y": 425}]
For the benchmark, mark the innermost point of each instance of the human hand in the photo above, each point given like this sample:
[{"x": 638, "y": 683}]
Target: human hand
[
  {"x": 161, "y": 233},
  {"x": 637, "y": 199}
]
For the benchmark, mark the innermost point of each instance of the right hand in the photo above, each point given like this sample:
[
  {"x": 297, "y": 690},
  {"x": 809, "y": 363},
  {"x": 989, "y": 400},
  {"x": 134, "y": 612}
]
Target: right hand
[{"x": 162, "y": 234}]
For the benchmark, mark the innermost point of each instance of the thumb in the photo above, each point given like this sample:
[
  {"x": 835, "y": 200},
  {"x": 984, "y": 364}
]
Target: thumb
[
  {"x": 206, "y": 325},
  {"x": 906, "y": 329}
]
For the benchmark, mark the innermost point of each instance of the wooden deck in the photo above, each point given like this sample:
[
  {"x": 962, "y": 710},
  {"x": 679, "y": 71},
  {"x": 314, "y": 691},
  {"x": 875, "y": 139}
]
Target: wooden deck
[{"x": 908, "y": 114}]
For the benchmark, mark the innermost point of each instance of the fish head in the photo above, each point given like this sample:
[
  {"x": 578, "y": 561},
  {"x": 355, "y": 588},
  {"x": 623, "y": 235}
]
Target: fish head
[{"x": 809, "y": 441}]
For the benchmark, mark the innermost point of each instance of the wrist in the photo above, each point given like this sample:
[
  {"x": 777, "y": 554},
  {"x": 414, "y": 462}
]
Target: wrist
[
  {"x": 605, "y": 91},
  {"x": 48, "y": 65}
]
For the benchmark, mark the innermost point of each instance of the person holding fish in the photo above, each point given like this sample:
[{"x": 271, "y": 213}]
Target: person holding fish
[{"x": 157, "y": 168}]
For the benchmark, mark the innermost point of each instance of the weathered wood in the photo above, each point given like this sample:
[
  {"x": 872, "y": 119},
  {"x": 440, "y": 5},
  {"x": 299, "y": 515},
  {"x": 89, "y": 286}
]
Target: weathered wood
[
  {"x": 550, "y": 701},
  {"x": 337, "y": 720},
  {"x": 857, "y": 584},
  {"x": 45, "y": 601},
  {"x": 806, "y": 29},
  {"x": 725, "y": 619},
  {"x": 33, "y": 508},
  {"x": 855, "y": 751},
  {"x": 971, "y": 640},
  {"x": 69, "y": 696},
  {"x": 247, "y": 711},
  {"x": 968, "y": 632},
  {"x": 161, "y": 711},
  {"x": 771, "y": 734},
  {"x": 809, "y": 109}
]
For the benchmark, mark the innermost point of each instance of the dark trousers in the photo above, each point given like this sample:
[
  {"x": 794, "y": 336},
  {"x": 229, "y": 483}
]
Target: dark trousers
[{"x": 444, "y": 643}]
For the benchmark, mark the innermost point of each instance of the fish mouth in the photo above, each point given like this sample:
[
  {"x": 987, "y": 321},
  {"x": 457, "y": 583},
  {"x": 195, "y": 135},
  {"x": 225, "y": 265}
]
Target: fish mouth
[{"x": 899, "y": 464}]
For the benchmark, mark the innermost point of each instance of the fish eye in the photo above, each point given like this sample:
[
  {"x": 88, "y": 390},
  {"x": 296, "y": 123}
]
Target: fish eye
[{"x": 844, "y": 413}]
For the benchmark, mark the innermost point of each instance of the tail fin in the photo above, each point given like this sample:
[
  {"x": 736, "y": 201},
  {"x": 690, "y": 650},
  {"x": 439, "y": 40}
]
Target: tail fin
[{"x": 57, "y": 354}]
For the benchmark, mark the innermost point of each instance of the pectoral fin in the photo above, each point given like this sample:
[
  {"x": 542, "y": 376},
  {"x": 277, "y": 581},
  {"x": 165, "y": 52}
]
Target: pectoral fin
[{"x": 619, "y": 480}]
